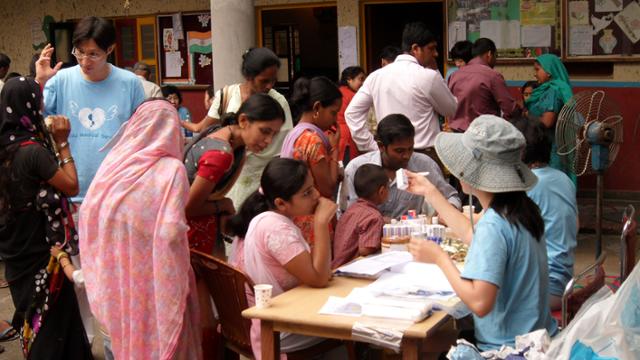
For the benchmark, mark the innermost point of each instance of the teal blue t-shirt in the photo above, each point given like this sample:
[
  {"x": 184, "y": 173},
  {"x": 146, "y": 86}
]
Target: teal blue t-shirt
[
  {"x": 95, "y": 109},
  {"x": 550, "y": 101},
  {"x": 555, "y": 195},
  {"x": 511, "y": 258},
  {"x": 185, "y": 115}
]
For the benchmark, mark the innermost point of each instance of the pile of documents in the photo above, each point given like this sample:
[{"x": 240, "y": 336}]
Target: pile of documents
[{"x": 404, "y": 290}]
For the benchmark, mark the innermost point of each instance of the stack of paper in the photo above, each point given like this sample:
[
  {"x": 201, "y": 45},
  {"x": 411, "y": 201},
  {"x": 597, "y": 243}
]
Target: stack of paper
[
  {"x": 362, "y": 302},
  {"x": 372, "y": 267}
]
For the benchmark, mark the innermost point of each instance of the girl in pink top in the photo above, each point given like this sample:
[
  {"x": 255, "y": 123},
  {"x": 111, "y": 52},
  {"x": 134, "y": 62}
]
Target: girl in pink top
[{"x": 274, "y": 251}]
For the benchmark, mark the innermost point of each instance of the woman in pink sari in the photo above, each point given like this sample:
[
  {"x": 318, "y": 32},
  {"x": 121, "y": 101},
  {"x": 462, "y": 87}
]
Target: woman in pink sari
[{"x": 133, "y": 235}]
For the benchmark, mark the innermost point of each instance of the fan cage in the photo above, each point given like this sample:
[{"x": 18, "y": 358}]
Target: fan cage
[{"x": 571, "y": 130}]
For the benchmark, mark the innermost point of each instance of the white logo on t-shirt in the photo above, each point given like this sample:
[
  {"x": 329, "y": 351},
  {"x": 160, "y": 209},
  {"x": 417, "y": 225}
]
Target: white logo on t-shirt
[{"x": 93, "y": 119}]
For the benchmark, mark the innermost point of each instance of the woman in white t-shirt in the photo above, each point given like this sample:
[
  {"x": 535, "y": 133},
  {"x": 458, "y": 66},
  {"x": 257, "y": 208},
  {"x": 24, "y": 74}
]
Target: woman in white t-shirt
[
  {"x": 274, "y": 250},
  {"x": 260, "y": 70}
]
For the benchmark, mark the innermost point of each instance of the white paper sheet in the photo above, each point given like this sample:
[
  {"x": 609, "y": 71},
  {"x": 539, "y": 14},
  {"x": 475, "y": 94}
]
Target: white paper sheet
[
  {"x": 629, "y": 21},
  {"x": 347, "y": 46},
  {"x": 505, "y": 33},
  {"x": 341, "y": 306},
  {"x": 607, "y": 5},
  {"x": 173, "y": 63},
  {"x": 536, "y": 36},
  {"x": 178, "y": 33},
  {"x": 363, "y": 302},
  {"x": 457, "y": 32},
  {"x": 371, "y": 266},
  {"x": 578, "y": 13},
  {"x": 581, "y": 40},
  {"x": 414, "y": 280}
]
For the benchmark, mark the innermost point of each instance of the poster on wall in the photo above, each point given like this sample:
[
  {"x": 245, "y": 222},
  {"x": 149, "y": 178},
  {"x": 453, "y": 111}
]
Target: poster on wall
[
  {"x": 520, "y": 28},
  {"x": 347, "y": 46},
  {"x": 186, "y": 61},
  {"x": 609, "y": 29},
  {"x": 629, "y": 21},
  {"x": 538, "y": 12},
  {"x": 169, "y": 40},
  {"x": 608, "y": 5}
]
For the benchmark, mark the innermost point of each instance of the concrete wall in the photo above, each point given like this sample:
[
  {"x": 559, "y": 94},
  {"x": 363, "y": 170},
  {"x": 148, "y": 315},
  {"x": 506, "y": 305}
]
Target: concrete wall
[{"x": 18, "y": 15}]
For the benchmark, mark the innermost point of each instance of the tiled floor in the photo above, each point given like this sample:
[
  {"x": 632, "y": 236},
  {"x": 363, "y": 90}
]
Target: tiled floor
[{"x": 585, "y": 255}]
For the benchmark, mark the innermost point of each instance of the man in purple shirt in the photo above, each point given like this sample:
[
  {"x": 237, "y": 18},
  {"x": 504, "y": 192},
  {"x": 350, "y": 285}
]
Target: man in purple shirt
[{"x": 480, "y": 89}]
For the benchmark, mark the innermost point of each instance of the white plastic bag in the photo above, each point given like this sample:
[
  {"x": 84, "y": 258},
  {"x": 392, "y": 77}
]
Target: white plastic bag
[{"x": 608, "y": 323}]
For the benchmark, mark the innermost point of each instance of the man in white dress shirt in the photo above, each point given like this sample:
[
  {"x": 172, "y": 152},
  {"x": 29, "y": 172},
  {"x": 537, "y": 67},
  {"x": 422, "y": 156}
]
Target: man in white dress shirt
[{"x": 405, "y": 87}]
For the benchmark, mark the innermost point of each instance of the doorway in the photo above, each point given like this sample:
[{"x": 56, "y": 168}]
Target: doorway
[
  {"x": 383, "y": 24},
  {"x": 305, "y": 38}
]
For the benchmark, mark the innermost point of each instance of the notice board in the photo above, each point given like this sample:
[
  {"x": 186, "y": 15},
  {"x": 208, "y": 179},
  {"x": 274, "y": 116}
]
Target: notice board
[
  {"x": 185, "y": 49},
  {"x": 521, "y": 29},
  {"x": 603, "y": 29}
]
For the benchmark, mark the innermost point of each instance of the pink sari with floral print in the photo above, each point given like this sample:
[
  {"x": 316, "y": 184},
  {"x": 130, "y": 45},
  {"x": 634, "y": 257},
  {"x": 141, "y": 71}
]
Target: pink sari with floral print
[{"x": 133, "y": 239}]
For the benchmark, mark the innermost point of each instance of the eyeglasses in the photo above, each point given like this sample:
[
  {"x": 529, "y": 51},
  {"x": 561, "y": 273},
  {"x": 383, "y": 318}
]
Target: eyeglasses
[{"x": 93, "y": 56}]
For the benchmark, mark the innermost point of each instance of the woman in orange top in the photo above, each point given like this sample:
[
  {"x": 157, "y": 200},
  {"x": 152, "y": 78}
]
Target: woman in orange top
[
  {"x": 350, "y": 81},
  {"x": 313, "y": 140}
]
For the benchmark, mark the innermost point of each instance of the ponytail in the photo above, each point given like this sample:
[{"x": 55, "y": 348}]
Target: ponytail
[
  {"x": 254, "y": 205},
  {"x": 273, "y": 185},
  {"x": 518, "y": 209},
  {"x": 229, "y": 118}
]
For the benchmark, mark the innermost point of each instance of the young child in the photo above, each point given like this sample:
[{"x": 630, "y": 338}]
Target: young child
[
  {"x": 526, "y": 90},
  {"x": 174, "y": 96},
  {"x": 274, "y": 251},
  {"x": 460, "y": 54},
  {"x": 359, "y": 229}
]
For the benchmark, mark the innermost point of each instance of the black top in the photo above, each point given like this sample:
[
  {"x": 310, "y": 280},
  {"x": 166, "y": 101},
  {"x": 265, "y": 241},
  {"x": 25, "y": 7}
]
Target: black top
[{"x": 22, "y": 233}]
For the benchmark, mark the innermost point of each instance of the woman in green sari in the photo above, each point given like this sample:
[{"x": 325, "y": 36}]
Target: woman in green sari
[{"x": 546, "y": 101}]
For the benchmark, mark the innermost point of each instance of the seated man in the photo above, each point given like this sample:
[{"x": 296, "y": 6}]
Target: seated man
[
  {"x": 555, "y": 195},
  {"x": 395, "y": 142}
]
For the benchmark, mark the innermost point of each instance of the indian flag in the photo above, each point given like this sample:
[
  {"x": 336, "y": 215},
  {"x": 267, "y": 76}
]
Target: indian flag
[{"x": 199, "y": 42}]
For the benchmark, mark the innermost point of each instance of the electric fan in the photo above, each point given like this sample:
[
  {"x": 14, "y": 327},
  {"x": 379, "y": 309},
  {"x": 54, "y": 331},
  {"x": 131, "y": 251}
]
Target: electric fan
[{"x": 588, "y": 136}]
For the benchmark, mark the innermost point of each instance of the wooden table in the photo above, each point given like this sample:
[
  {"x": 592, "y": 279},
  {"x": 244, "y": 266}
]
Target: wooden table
[{"x": 296, "y": 311}]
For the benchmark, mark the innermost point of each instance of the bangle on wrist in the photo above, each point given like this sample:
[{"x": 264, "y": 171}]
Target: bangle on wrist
[
  {"x": 62, "y": 145},
  {"x": 61, "y": 255},
  {"x": 67, "y": 160}
]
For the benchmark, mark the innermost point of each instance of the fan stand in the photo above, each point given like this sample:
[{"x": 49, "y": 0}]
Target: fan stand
[{"x": 599, "y": 207}]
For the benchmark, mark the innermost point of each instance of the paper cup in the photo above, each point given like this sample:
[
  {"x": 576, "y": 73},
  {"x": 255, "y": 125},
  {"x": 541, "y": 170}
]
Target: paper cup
[
  {"x": 263, "y": 295},
  {"x": 465, "y": 209}
]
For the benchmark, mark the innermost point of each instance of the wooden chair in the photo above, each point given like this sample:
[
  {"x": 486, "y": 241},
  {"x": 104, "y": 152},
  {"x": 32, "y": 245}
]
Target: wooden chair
[
  {"x": 628, "y": 241},
  {"x": 228, "y": 287},
  {"x": 573, "y": 297}
]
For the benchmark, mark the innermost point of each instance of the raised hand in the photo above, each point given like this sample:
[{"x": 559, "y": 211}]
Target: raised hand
[{"x": 44, "y": 70}]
